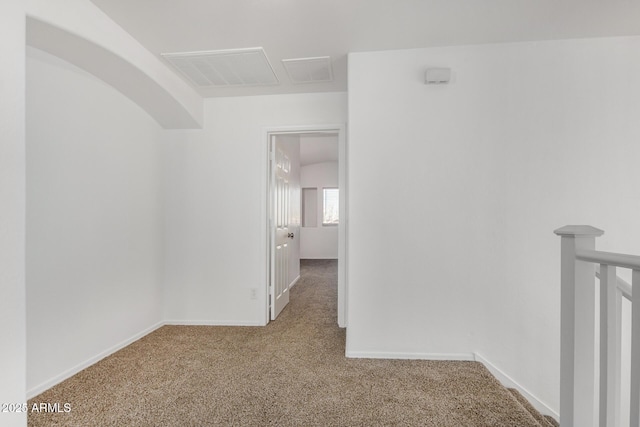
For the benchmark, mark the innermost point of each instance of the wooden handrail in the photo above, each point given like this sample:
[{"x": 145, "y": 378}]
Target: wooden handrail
[{"x": 610, "y": 258}]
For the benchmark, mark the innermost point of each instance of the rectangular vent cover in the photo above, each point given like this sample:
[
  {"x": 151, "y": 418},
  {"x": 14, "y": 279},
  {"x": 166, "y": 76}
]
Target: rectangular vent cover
[
  {"x": 309, "y": 70},
  {"x": 220, "y": 68}
]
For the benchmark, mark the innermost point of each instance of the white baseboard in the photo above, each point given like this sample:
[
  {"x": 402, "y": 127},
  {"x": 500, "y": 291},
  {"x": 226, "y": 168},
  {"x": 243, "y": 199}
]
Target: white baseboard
[
  {"x": 509, "y": 382},
  {"x": 293, "y": 283},
  {"x": 71, "y": 372},
  {"x": 504, "y": 379},
  {"x": 416, "y": 356},
  {"x": 95, "y": 359},
  {"x": 212, "y": 323}
]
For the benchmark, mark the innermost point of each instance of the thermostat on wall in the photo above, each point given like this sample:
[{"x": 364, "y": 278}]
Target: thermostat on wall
[{"x": 436, "y": 76}]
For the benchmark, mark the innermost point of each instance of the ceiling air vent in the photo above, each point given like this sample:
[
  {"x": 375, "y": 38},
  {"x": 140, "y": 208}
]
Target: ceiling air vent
[
  {"x": 220, "y": 68},
  {"x": 309, "y": 70}
]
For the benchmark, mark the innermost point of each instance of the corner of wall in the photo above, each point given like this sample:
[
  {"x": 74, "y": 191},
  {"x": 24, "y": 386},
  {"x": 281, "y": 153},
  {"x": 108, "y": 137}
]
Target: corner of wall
[
  {"x": 34, "y": 391},
  {"x": 509, "y": 382}
]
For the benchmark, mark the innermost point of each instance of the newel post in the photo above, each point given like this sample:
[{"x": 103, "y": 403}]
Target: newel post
[{"x": 578, "y": 393}]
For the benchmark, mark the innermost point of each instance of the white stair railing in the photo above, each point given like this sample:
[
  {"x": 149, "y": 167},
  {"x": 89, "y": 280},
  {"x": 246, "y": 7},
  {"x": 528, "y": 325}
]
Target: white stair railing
[{"x": 582, "y": 403}]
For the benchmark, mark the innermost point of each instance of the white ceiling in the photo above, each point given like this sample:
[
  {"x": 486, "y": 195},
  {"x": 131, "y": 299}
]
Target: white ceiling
[
  {"x": 310, "y": 28},
  {"x": 318, "y": 148}
]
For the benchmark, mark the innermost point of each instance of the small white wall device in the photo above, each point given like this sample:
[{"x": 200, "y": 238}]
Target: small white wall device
[{"x": 437, "y": 76}]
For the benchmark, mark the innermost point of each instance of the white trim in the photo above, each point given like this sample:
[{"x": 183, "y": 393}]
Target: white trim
[
  {"x": 108, "y": 352},
  {"x": 341, "y": 129},
  {"x": 293, "y": 283},
  {"x": 91, "y": 361},
  {"x": 503, "y": 378},
  {"x": 415, "y": 356},
  {"x": 320, "y": 257},
  {"x": 212, "y": 323},
  {"x": 343, "y": 227},
  {"x": 509, "y": 382}
]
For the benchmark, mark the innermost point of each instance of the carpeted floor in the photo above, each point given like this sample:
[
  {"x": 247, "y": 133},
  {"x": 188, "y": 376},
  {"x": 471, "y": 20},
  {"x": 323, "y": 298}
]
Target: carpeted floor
[{"x": 290, "y": 373}]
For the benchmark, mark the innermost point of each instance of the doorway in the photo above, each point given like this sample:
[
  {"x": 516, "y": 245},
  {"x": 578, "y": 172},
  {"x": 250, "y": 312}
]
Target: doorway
[{"x": 275, "y": 228}]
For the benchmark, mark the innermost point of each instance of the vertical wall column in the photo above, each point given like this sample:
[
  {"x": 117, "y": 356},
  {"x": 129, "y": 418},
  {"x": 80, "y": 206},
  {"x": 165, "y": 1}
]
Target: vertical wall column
[
  {"x": 12, "y": 211},
  {"x": 578, "y": 394}
]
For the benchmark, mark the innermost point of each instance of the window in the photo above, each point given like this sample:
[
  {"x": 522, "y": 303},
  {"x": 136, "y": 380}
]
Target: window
[{"x": 330, "y": 206}]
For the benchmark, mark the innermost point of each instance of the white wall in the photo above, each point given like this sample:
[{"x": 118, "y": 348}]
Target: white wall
[
  {"x": 320, "y": 242},
  {"x": 290, "y": 144},
  {"x": 94, "y": 223},
  {"x": 455, "y": 191},
  {"x": 216, "y": 204},
  {"x": 12, "y": 200}
]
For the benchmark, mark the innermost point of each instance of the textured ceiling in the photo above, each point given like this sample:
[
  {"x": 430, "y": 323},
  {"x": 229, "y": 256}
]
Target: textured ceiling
[{"x": 309, "y": 28}]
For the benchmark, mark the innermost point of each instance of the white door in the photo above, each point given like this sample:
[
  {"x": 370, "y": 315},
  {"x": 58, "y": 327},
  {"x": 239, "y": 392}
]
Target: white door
[{"x": 280, "y": 235}]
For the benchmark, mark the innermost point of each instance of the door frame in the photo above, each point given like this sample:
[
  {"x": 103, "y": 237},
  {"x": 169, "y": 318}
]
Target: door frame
[{"x": 340, "y": 129}]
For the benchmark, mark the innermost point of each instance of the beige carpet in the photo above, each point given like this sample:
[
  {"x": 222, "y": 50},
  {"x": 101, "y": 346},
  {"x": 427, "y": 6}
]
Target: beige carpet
[{"x": 290, "y": 373}]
